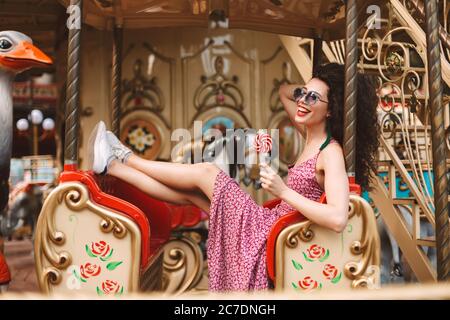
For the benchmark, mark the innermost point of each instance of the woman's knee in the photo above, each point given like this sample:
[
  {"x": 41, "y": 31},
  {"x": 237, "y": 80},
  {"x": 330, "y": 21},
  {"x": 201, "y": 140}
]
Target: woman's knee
[{"x": 206, "y": 168}]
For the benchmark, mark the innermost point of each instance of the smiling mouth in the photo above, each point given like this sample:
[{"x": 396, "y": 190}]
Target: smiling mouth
[{"x": 302, "y": 110}]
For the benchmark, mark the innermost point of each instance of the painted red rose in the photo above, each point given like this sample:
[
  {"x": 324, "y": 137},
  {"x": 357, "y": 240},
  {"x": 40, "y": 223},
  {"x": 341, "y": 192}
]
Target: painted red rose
[
  {"x": 308, "y": 283},
  {"x": 110, "y": 286},
  {"x": 89, "y": 270},
  {"x": 316, "y": 252},
  {"x": 330, "y": 272},
  {"x": 100, "y": 248}
]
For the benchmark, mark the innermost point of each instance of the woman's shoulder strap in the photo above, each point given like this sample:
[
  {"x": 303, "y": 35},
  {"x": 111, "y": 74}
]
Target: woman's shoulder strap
[{"x": 327, "y": 142}]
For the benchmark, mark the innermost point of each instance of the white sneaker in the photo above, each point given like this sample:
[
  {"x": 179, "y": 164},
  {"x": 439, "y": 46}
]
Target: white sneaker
[
  {"x": 119, "y": 150},
  {"x": 100, "y": 154}
]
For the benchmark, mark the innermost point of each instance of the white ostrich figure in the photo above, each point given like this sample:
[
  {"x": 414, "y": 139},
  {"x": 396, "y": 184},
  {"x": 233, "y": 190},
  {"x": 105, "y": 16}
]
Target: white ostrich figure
[{"x": 17, "y": 53}]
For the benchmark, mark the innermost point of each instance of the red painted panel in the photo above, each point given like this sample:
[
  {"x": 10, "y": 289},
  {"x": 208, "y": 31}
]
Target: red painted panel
[
  {"x": 186, "y": 216},
  {"x": 5, "y": 275}
]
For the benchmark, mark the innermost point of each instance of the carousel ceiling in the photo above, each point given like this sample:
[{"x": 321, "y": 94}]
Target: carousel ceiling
[
  {"x": 39, "y": 19},
  {"x": 305, "y": 18}
]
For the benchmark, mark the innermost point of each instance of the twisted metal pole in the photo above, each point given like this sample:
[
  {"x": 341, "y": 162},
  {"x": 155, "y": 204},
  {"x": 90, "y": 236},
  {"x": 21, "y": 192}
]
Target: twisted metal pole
[
  {"x": 73, "y": 86},
  {"x": 350, "y": 93},
  {"x": 116, "y": 78},
  {"x": 438, "y": 141}
]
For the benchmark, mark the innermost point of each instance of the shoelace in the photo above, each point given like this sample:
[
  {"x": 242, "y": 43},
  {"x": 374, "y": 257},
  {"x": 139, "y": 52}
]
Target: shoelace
[{"x": 119, "y": 152}]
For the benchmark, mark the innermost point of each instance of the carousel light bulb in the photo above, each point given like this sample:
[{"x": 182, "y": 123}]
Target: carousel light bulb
[
  {"x": 36, "y": 116},
  {"x": 48, "y": 124},
  {"x": 22, "y": 124}
]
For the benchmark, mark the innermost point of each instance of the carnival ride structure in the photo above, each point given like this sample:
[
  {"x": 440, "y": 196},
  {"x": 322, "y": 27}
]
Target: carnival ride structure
[{"x": 99, "y": 235}]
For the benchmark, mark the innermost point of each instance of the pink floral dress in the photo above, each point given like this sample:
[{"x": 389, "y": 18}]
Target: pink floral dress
[{"x": 239, "y": 228}]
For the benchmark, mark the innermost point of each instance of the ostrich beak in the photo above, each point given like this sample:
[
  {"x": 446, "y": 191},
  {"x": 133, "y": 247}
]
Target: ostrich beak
[{"x": 23, "y": 57}]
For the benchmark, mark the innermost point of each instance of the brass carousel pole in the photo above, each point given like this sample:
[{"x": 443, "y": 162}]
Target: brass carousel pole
[
  {"x": 73, "y": 87},
  {"x": 438, "y": 140},
  {"x": 350, "y": 93},
  {"x": 116, "y": 77}
]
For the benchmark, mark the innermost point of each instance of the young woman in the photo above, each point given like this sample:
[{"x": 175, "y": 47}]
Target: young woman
[{"x": 239, "y": 227}]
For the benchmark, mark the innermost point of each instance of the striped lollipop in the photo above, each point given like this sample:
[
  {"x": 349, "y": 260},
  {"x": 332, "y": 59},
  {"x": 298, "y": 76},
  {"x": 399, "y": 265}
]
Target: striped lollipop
[{"x": 262, "y": 143}]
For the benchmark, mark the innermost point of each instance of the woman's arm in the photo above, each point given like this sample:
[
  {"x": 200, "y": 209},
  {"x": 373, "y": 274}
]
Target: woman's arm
[
  {"x": 286, "y": 93},
  {"x": 334, "y": 213}
]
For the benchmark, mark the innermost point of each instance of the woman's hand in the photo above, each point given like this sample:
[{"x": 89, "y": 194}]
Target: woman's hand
[{"x": 271, "y": 181}]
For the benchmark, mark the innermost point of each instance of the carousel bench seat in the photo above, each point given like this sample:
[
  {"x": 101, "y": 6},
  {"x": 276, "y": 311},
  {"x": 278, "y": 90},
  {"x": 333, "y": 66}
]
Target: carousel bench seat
[
  {"x": 156, "y": 230},
  {"x": 96, "y": 232},
  {"x": 180, "y": 257},
  {"x": 303, "y": 257}
]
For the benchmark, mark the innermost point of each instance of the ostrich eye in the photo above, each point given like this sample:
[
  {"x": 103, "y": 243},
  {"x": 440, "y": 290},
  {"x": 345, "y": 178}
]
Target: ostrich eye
[{"x": 5, "y": 44}]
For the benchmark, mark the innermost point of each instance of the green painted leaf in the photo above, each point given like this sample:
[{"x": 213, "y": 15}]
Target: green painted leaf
[
  {"x": 77, "y": 276},
  {"x": 120, "y": 292},
  {"x": 325, "y": 257},
  {"x": 306, "y": 257},
  {"x": 99, "y": 292},
  {"x": 90, "y": 254},
  {"x": 337, "y": 279},
  {"x": 297, "y": 265},
  {"x": 349, "y": 228},
  {"x": 294, "y": 285},
  {"x": 320, "y": 286},
  {"x": 112, "y": 265},
  {"x": 107, "y": 257}
]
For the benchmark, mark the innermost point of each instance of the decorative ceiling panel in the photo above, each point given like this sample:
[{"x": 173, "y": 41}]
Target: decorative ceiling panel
[
  {"x": 135, "y": 14},
  {"x": 305, "y": 18}
]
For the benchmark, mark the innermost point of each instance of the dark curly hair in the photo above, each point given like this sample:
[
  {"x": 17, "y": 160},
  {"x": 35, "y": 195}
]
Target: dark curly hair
[{"x": 367, "y": 126}]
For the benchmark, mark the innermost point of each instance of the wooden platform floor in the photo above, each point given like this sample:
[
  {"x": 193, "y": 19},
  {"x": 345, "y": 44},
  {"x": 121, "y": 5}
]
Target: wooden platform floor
[{"x": 20, "y": 258}]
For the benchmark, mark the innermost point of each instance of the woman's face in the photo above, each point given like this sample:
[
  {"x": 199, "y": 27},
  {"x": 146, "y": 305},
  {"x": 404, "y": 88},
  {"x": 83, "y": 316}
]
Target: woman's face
[{"x": 315, "y": 113}]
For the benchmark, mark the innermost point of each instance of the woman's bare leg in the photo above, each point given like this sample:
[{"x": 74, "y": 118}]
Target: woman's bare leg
[
  {"x": 155, "y": 188},
  {"x": 200, "y": 176}
]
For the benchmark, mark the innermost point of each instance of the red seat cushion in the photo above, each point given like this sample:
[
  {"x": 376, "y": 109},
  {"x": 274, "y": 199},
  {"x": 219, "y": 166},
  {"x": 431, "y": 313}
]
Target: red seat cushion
[{"x": 186, "y": 216}]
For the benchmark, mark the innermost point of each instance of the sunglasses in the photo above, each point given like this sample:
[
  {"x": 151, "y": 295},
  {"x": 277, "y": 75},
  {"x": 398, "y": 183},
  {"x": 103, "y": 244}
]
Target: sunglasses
[{"x": 311, "y": 97}]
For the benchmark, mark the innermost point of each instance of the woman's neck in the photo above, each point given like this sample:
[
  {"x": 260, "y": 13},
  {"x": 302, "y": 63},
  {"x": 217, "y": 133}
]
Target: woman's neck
[{"x": 315, "y": 135}]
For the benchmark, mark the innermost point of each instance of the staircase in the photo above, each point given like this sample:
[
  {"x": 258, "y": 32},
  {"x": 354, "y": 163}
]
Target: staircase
[
  {"x": 407, "y": 235},
  {"x": 405, "y": 154}
]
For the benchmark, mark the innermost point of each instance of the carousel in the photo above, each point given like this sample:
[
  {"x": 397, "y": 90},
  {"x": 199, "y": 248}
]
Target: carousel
[{"x": 98, "y": 235}]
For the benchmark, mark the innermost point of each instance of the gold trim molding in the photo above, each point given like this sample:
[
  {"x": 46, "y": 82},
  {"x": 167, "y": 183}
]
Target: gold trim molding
[{"x": 182, "y": 265}]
